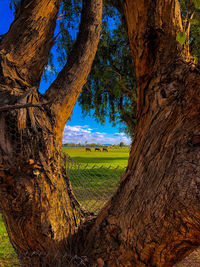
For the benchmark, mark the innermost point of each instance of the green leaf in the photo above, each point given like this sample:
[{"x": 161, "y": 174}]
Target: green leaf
[
  {"x": 196, "y": 59},
  {"x": 196, "y": 3},
  {"x": 181, "y": 37},
  {"x": 194, "y": 21}
]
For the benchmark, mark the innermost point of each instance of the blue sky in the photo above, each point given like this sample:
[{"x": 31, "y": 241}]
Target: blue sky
[{"x": 79, "y": 129}]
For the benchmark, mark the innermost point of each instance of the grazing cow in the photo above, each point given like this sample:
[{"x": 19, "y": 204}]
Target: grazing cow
[
  {"x": 105, "y": 149},
  {"x": 97, "y": 149},
  {"x": 88, "y": 149}
]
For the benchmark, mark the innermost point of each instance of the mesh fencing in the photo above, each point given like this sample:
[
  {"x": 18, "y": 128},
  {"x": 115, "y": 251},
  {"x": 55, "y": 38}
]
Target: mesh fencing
[{"x": 93, "y": 185}]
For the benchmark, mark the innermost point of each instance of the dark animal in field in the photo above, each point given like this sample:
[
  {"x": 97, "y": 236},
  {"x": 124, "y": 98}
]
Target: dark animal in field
[
  {"x": 105, "y": 149},
  {"x": 97, "y": 149},
  {"x": 88, "y": 149}
]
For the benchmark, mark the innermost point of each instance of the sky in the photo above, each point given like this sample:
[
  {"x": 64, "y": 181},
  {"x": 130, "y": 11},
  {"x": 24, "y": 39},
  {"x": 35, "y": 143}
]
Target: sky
[{"x": 79, "y": 129}]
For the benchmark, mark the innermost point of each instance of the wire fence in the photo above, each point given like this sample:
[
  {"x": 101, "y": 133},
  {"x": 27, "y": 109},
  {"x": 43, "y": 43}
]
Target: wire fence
[{"x": 93, "y": 185}]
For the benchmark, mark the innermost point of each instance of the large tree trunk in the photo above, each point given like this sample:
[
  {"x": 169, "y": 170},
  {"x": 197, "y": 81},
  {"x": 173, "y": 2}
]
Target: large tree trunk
[
  {"x": 153, "y": 219},
  {"x": 36, "y": 200}
]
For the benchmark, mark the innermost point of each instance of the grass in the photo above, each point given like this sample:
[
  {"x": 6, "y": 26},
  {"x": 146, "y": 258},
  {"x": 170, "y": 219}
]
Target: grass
[
  {"x": 93, "y": 187},
  {"x": 96, "y": 178},
  {"x": 114, "y": 157},
  {"x": 101, "y": 182},
  {"x": 8, "y": 257}
]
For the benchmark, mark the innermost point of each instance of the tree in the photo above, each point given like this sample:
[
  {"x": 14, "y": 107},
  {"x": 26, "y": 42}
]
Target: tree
[
  {"x": 153, "y": 219},
  {"x": 121, "y": 144},
  {"x": 110, "y": 90},
  {"x": 38, "y": 206},
  {"x": 111, "y": 86}
]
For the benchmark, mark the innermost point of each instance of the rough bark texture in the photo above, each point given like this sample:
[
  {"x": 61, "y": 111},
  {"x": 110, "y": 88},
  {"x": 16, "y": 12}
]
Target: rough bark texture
[
  {"x": 37, "y": 203},
  {"x": 153, "y": 219}
]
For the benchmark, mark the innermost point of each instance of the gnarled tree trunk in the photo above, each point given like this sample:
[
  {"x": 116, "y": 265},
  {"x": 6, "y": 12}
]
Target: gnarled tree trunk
[
  {"x": 38, "y": 205},
  {"x": 153, "y": 219}
]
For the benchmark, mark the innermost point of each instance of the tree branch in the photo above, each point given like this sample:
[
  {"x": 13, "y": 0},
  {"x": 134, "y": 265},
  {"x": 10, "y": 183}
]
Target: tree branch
[
  {"x": 65, "y": 90},
  {"x": 188, "y": 25},
  {"x": 18, "y": 106},
  {"x": 124, "y": 88},
  {"x": 24, "y": 53},
  {"x": 24, "y": 96},
  {"x": 87, "y": 87},
  {"x": 160, "y": 33}
]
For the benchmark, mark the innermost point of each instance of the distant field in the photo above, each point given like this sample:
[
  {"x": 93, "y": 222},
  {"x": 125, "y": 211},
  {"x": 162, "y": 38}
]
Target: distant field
[{"x": 114, "y": 156}]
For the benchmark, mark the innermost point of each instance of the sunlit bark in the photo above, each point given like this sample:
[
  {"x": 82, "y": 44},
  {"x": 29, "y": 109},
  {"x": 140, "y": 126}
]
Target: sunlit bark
[
  {"x": 39, "y": 208},
  {"x": 153, "y": 219}
]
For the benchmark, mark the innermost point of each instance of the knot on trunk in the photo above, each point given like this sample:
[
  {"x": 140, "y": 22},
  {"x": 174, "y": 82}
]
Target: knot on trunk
[{"x": 194, "y": 140}]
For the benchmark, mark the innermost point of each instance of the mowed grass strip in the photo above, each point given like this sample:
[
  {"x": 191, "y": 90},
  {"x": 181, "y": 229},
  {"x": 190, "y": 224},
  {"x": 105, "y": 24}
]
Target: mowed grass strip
[{"x": 114, "y": 157}]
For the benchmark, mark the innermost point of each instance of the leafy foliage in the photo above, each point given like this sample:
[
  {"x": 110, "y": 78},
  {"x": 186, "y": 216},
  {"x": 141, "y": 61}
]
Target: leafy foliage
[
  {"x": 14, "y": 4},
  {"x": 196, "y": 3},
  {"x": 111, "y": 88},
  {"x": 190, "y": 11}
]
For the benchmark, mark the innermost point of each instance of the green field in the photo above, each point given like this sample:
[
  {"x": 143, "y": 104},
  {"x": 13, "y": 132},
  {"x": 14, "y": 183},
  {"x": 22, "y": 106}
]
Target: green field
[
  {"x": 99, "y": 179},
  {"x": 8, "y": 257},
  {"x": 95, "y": 175},
  {"x": 114, "y": 156}
]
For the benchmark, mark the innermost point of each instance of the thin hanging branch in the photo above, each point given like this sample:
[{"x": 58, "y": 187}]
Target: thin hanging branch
[
  {"x": 18, "y": 106},
  {"x": 124, "y": 88}
]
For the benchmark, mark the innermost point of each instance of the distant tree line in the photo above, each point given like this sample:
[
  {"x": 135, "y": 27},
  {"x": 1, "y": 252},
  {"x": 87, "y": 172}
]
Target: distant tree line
[{"x": 121, "y": 144}]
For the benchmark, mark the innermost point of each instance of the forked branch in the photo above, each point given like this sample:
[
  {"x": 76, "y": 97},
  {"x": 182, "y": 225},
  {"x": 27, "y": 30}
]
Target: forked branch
[
  {"x": 65, "y": 90},
  {"x": 24, "y": 53}
]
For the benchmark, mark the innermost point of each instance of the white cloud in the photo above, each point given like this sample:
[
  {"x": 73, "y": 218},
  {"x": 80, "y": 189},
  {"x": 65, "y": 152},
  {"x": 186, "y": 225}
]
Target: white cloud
[
  {"x": 82, "y": 134},
  {"x": 48, "y": 68},
  {"x": 120, "y": 134},
  {"x": 99, "y": 133},
  {"x": 78, "y": 129}
]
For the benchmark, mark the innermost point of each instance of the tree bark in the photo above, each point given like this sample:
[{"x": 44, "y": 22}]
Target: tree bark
[
  {"x": 153, "y": 219},
  {"x": 36, "y": 199},
  {"x": 25, "y": 48}
]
